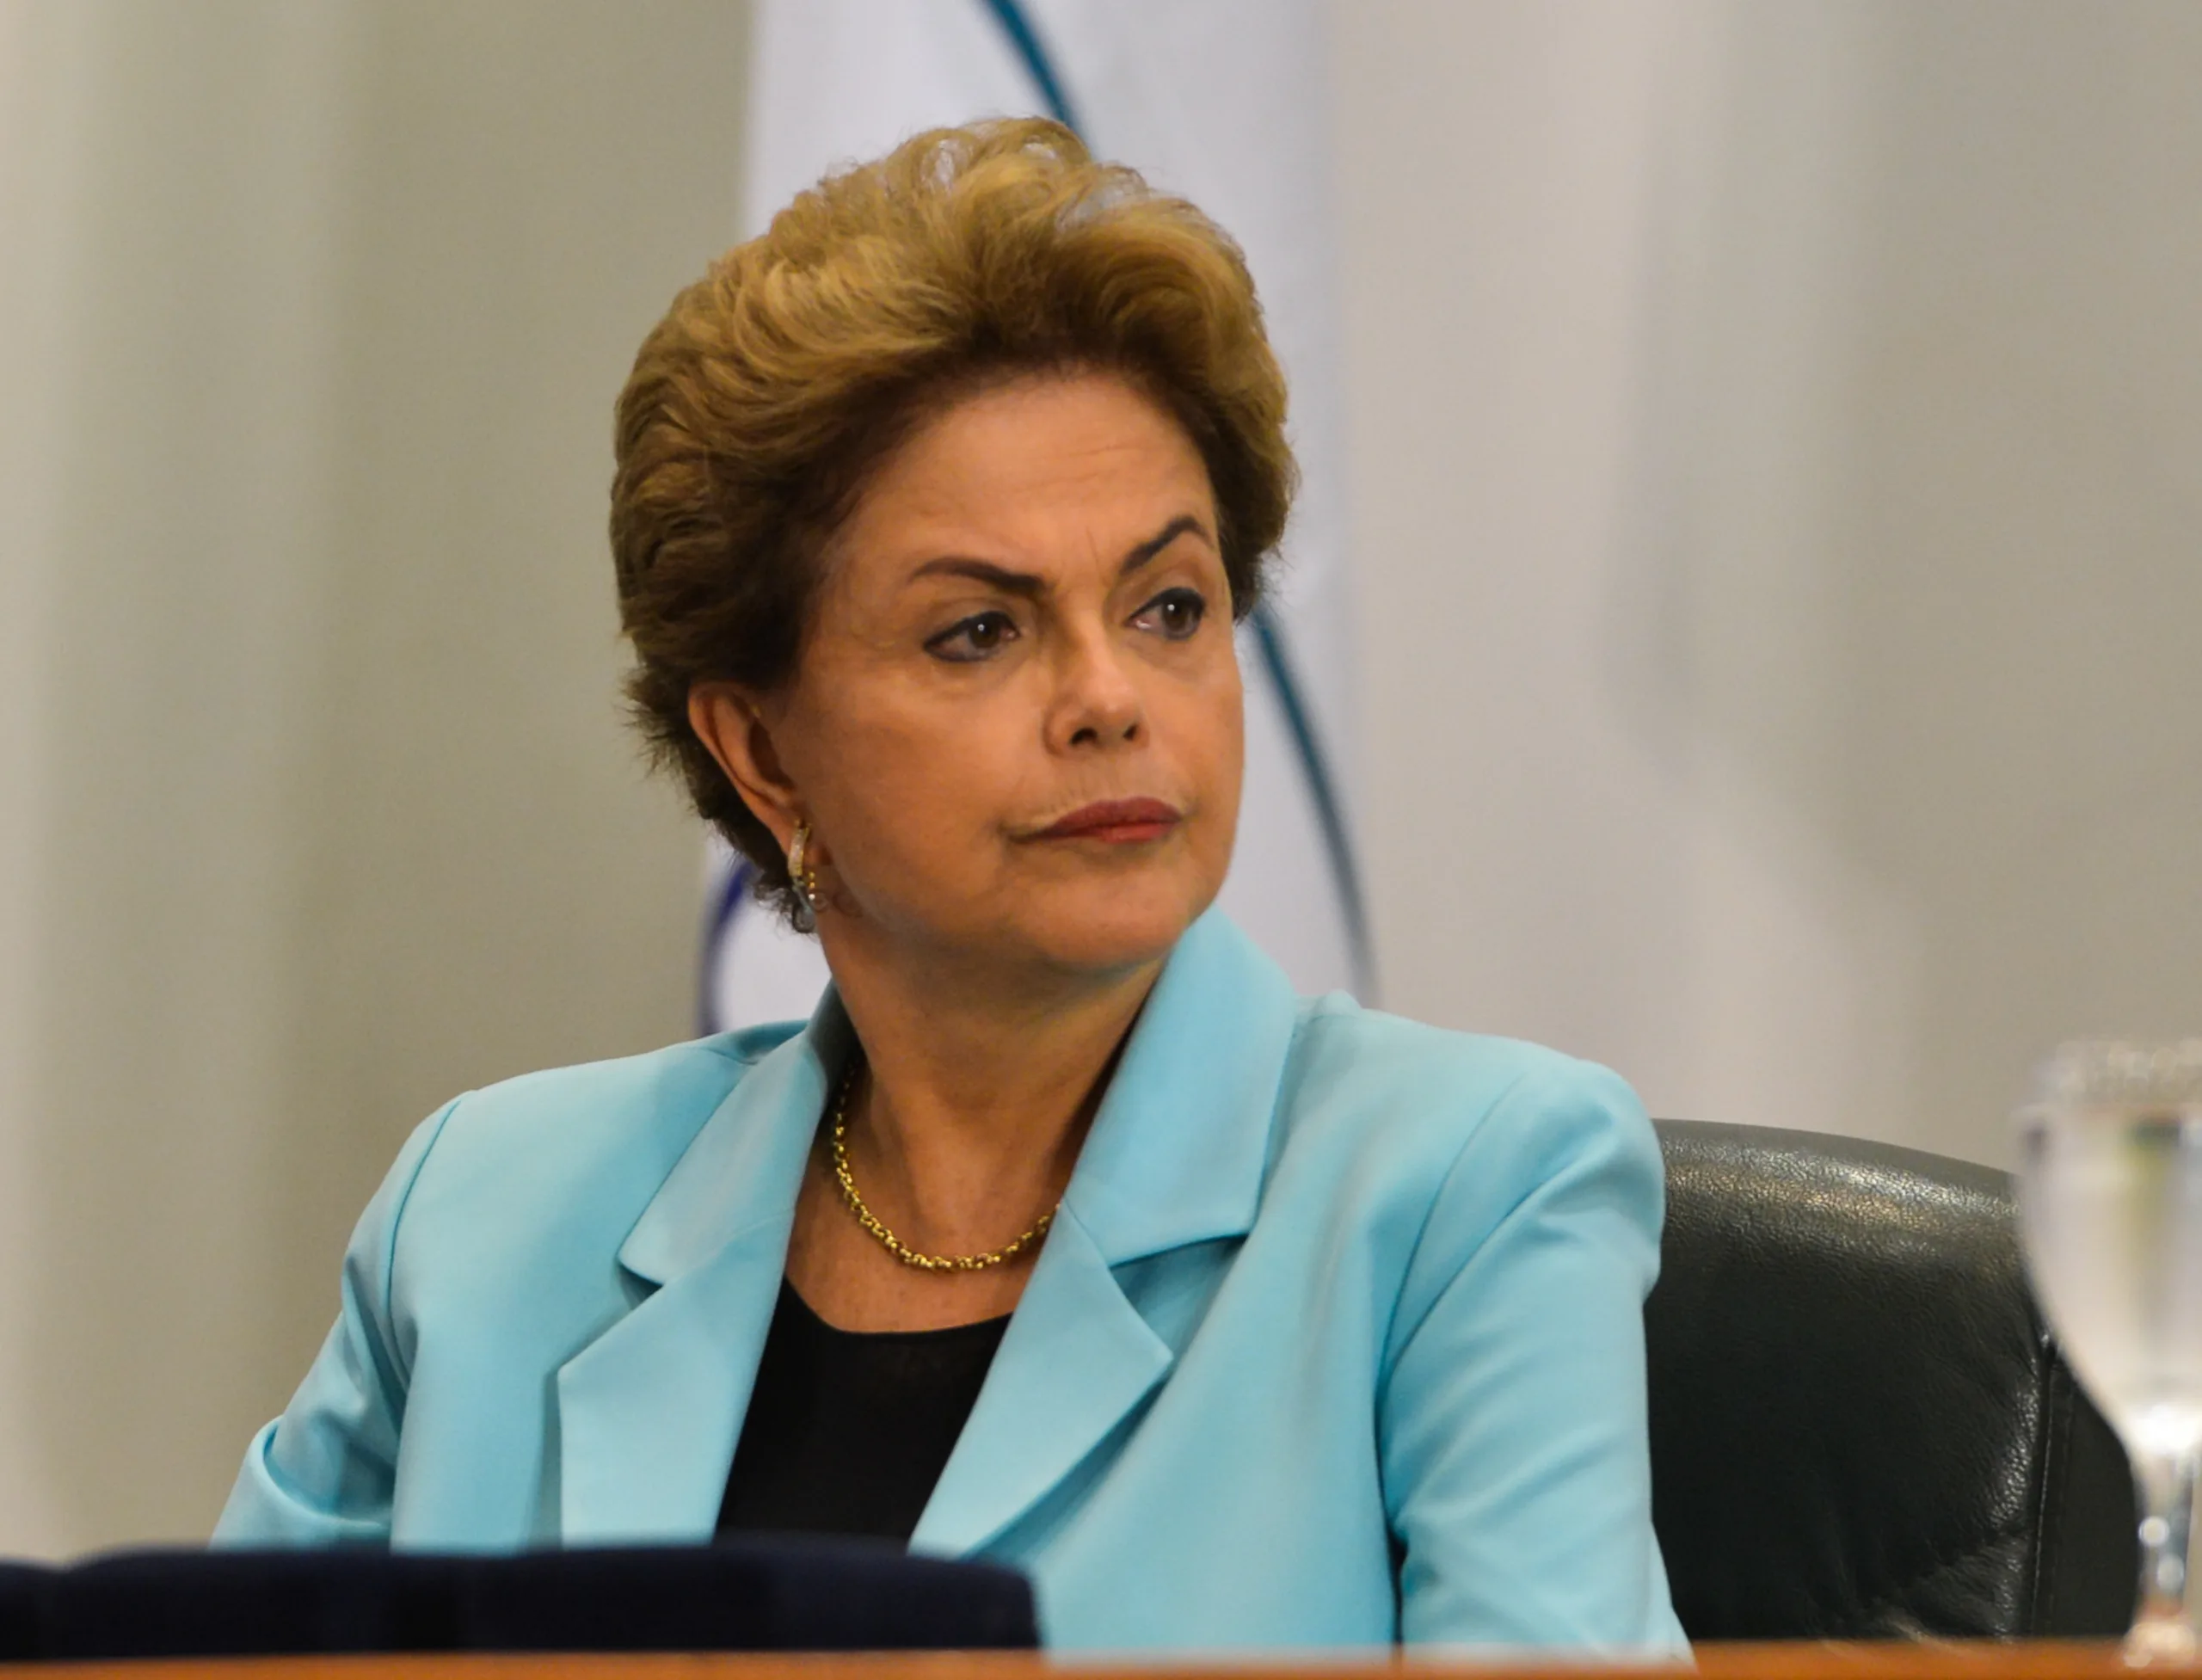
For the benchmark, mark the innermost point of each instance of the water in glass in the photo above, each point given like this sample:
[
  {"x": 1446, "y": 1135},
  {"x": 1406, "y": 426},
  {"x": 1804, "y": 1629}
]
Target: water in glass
[{"x": 2110, "y": 1203}]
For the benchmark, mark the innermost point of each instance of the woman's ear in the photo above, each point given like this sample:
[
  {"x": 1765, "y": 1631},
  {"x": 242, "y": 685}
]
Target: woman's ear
[{"x": 729, "y": 721}]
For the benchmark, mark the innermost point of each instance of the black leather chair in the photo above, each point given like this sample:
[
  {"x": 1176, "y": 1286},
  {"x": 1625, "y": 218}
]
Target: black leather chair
[{"x": 1860, "y": 1427}]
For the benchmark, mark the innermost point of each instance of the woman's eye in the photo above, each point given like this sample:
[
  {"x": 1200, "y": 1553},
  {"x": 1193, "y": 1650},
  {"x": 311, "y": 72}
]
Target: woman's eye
[
  {"x": 976, "y": 637},
  {"x": 1175, "y": 613}
]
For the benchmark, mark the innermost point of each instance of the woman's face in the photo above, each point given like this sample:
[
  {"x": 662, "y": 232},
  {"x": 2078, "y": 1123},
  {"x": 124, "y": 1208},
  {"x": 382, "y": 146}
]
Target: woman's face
[{"x": 1017, "y": 726}]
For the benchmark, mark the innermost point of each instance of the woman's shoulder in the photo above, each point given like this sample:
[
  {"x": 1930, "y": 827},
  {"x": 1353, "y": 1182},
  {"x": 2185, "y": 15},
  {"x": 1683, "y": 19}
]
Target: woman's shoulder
[
  {"x": 1343, "y": 1025},
  {"x": 1383, "y": 1068},
  {"x": 620, "y": 1103},
  {"x": 591, "y": 1141},
  {"x": 1416, "y": 1108}
]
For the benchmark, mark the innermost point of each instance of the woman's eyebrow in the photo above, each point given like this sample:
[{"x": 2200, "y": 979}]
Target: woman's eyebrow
[
  {"x": 1031, "y": 585},
  {"x": 1181, "y": 526}
]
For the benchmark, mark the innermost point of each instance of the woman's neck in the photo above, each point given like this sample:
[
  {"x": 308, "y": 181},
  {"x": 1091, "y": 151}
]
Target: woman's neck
[{"x": 978, "y": 1088}]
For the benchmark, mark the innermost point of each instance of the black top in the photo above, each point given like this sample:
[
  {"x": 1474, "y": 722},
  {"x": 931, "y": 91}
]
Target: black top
[{"x": 848, "y": 1430}]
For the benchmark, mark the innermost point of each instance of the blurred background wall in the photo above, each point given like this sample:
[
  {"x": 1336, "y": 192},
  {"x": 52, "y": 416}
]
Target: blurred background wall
[
  {"x": 1778, "y": 459},
  {"x": 319, "y": 807},
  {"x": 1777, "y": 447}
]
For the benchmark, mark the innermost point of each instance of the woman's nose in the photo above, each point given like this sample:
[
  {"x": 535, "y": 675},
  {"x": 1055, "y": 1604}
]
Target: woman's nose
[{"x": 1098, "y": 703}]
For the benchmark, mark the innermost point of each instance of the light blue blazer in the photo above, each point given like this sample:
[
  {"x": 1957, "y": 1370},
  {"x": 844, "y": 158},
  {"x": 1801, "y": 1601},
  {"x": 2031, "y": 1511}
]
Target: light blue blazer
[{"x": 1336, "y": 1340}]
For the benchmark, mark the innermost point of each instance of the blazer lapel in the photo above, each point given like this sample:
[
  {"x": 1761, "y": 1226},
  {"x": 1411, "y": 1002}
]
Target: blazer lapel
[
  {"x": 649, "y": 1412},
  {"x": 1176, "y": 1155}
]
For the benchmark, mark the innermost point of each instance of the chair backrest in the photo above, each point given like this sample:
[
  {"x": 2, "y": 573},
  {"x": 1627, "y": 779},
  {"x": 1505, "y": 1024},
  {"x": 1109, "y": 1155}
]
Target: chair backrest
[{"x": 1860, "y": 1428}]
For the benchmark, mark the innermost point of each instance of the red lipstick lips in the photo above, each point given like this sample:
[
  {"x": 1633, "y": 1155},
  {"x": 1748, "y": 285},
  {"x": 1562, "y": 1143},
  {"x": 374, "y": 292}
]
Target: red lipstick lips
[{"x": 1121, "y": 822}]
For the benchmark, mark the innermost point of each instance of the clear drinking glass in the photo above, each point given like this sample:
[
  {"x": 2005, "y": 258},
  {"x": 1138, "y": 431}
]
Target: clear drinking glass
[{"x": 2110, "y": 1210}]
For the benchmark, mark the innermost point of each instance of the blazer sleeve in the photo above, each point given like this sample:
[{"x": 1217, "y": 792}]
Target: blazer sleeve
[
  {"x": 325, "y": 1472},
  {"x": 1512, "y": 1418}
]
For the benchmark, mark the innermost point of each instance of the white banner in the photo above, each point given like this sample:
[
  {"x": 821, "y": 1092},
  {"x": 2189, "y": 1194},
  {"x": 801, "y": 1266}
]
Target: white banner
[{"x": 1224, "y": 102}]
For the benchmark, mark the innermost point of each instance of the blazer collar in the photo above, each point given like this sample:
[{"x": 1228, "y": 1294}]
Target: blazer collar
[
  {"x": 742, "y": 1170},
  {"x": 649, "y": 1412},
  {"x": 1178, "y": 1149},
  {"x": 1176, "y": 1155}
]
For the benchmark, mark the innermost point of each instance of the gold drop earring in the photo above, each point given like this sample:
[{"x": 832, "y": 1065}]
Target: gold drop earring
[{"x": 804, "y": 876}]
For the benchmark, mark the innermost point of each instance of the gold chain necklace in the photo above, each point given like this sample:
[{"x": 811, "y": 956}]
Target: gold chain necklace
[{"x": 892, "y": 1244}]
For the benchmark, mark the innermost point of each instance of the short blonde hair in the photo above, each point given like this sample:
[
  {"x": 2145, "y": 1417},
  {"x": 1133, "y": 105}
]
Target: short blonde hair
[{"x": 776, "y": 385}]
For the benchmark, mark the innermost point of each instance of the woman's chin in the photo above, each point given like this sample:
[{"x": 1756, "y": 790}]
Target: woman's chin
[
  {"x": 1028, "y": 932},
  {"x": 1103, "y": 932}
]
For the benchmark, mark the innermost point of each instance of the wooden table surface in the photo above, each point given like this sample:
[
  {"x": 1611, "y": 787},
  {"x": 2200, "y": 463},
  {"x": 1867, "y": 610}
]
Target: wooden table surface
[{"x": 1804, "y": 1660}]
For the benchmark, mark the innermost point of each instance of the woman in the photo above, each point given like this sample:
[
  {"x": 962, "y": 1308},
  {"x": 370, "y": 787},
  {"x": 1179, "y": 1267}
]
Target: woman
[{"x": 1063, "y": 1234}]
